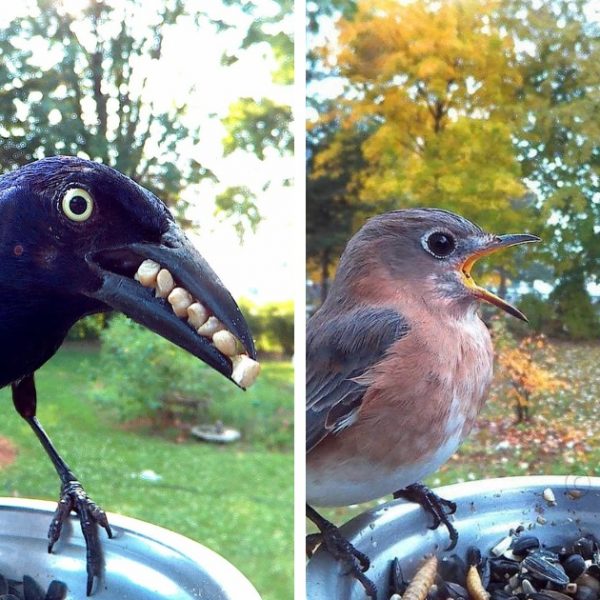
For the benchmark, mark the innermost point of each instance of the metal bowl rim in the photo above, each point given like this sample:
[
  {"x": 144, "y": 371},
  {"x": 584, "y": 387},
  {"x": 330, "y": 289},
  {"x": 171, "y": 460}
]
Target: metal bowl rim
[
  {"x": 204, "y": 558},
  {"x": 395, "y": 509}
]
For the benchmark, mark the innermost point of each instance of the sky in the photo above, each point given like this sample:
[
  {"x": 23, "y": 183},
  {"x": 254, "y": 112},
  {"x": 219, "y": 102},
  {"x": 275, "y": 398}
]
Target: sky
[{"x": 258, "y": 269}]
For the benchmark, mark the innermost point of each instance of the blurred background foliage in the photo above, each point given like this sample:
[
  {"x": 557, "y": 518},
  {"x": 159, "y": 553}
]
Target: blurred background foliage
[
  {"x": 272, "y": 325},
  {"x": 263, "y": 413},
  {"x": 485, "y": 108}
]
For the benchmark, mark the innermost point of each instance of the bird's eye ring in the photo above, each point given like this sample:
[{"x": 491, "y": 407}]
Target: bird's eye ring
[
  {"x": 439, "y": 243},
  {"x": 77, "y": 204}
]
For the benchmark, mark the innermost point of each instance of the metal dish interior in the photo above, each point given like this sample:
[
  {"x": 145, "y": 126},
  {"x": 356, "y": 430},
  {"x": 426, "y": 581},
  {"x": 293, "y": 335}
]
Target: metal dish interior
[{"x": 487, "y": 510}]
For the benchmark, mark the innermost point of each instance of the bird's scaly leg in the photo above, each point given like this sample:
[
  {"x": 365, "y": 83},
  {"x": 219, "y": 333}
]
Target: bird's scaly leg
[
  {"x": 341, "y": 549},
  {"x": 72, "y": 495},
  {"x": 437, "y": 507}
]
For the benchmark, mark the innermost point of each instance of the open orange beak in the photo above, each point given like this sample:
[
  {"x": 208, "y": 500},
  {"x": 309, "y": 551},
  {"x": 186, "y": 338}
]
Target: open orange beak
[{"x": 496, "y": 243}]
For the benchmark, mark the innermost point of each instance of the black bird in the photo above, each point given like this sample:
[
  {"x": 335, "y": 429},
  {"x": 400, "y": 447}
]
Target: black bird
[{"x": 73, "y": 234}]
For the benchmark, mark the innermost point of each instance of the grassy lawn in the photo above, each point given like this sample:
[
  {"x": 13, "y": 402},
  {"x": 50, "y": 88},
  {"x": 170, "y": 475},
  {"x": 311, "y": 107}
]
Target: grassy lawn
[
  {"x": 236, "y": 500},
  {"x": 562, "y": 438}
]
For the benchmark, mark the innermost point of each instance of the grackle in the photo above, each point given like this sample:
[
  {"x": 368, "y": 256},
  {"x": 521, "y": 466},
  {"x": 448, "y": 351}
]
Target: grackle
[
  {"x": 73, "y": 234},
  {"x": 399, "y": 364}
]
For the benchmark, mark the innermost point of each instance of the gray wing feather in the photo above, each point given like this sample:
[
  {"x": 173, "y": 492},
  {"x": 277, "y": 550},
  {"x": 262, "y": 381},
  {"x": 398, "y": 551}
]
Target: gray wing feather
[{"x": 339, "y": 349}]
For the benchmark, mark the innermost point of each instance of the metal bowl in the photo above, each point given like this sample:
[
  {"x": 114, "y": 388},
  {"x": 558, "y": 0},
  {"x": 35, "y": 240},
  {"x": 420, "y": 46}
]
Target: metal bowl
[
  {"x": 143, "y": 561},
  {"x": 487, "y": 510}
]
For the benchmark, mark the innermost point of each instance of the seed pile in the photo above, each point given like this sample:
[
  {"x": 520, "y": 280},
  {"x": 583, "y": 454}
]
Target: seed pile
[
  {"x": 519, "y": 567},
  {"x": 151, "y": 275},
  {"x": 29, "y": 589}
]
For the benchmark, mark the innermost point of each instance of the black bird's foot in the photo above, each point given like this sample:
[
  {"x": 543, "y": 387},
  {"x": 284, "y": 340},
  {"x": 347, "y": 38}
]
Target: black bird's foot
[
  {"x": 438, "y": 508},
  {"x": 341, "y": 549},
  {"x": 74, "y": 498}
]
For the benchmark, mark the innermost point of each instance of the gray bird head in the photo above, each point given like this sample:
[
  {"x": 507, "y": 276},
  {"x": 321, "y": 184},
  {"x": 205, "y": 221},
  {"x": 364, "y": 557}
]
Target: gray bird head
[{"x": 430, "y": 252}]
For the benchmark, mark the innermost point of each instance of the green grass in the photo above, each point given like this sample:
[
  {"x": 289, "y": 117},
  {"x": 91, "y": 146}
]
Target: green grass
[
  {"x": 236, "y": 500},
  {"x": 563, "y": 437},
  {"x": 265, "y": 412}
]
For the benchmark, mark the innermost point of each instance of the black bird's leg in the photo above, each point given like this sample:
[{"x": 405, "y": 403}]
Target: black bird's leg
[
  {"x": 341, "y": 549},
  {"x": 72, "y": 495},
  {"x": 437, "y": 507}
]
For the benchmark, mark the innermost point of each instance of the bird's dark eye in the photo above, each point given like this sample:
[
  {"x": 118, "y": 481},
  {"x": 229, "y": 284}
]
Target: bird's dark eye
[
  {"x": 440, "y": 244},
  {"x": 77, "y": 204}
]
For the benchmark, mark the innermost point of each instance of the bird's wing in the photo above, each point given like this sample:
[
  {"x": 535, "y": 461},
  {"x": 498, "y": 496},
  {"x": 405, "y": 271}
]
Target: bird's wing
[{"x": 340, "y": 348}]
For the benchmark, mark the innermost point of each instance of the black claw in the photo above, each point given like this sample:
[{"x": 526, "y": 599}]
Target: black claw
[
  {"x": 437, "y": 521},
  {"x": 451, "y": 506},
  {"x": 74, "y": 498},
  {"x": 453, "y": 535},
  {"x": 363, "y": 559},
  {"x": 356, "y": 570},
  {"x": 438, "y": 508},
  {"x": 341, "y": 549},
  {"x": 368, "y": 585}
]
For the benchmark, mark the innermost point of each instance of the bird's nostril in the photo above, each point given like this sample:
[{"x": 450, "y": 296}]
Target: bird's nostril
[{"x": 120, "y": 262}]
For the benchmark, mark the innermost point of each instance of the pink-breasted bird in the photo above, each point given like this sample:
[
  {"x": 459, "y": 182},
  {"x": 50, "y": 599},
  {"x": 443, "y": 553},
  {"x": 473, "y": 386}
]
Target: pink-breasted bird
[{"x": 399, "y": 364}]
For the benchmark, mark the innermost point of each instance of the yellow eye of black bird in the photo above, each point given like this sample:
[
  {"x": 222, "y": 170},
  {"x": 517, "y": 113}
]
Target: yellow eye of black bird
[
  {"x": 440, "y": 244},
  {"x": 77, "y": 204}
]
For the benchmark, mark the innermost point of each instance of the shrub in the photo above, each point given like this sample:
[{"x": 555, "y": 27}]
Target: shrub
[
  {"x": 576, "y": 315},
  {"x": 567, "y": 313},
  {"x": 272, "y": 325},
  {"x": 540, "y": 315},
  {"x": 526, "y": 379},
  {"x": 89, "y": 328},
  {"x": 141, "y": 371}
]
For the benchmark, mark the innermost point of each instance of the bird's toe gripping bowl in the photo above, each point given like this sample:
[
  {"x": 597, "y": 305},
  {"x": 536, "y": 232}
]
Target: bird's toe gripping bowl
[
  {"x": 487, "y": 511},
  {"x": 142, "y": 561}
]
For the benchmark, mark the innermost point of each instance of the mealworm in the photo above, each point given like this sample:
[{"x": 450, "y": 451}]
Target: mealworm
[
  {"x": 474, "y": 585},
  {"x": 422, "y": 581}
]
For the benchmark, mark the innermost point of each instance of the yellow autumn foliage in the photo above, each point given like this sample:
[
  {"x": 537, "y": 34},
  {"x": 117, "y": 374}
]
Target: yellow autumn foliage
[
  {"x": 528, "y": 379},
  {"x": 435, "y": 84}
]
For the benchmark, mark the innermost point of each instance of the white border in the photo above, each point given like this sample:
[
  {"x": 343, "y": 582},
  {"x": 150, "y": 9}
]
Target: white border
[{"x": 299, "y": 267}]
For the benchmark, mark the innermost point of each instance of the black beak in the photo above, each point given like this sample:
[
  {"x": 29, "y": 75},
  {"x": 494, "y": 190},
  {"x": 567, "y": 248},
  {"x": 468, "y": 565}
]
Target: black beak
[{"x": 174, "y": 252}]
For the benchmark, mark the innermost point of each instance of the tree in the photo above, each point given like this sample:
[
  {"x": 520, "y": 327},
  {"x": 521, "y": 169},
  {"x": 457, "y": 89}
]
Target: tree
[
  {"x": 93, "y": 100},
  {"x": 434, "y": 80},
  {"x": 260, "y": 125},
  {"x": 93, "y": 97},
  {"x": 576, "y": 317},
  {"x": 558, "y": 138},
  {"x": 430, "y": 89},
  {"x": 527, "y": 380},
  {"x": 333, "y": 208}
]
